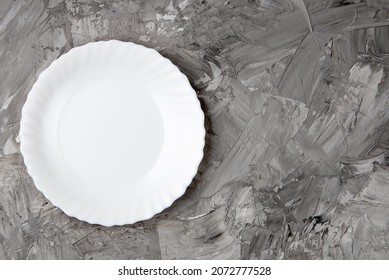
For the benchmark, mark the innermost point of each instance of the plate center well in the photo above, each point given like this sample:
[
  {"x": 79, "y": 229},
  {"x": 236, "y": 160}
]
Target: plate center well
[{"x": 110, "y": 134}]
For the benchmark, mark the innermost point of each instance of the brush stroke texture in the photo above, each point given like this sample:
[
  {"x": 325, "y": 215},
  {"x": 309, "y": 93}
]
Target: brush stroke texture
[{"x": 297, "y": 145}]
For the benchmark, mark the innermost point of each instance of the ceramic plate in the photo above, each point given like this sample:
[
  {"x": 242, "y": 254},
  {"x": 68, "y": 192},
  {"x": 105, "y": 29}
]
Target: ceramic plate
[{"x": 112, "y": 133}]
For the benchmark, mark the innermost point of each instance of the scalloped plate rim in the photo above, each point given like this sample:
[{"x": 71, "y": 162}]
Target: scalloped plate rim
[{"x": 44, "y": 188}]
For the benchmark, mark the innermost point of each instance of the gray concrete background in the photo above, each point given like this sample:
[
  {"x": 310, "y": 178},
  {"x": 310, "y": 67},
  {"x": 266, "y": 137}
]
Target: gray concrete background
[{"x": 295, "y": 95}]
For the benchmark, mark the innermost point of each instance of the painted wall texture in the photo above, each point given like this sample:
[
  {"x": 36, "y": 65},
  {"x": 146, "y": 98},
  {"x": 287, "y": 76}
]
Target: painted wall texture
[{"x": 296, "y": 97}]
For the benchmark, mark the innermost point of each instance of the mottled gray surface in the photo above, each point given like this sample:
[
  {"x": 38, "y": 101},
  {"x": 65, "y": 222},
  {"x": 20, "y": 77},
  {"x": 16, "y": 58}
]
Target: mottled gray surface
[{"x": 296, "y": 96}]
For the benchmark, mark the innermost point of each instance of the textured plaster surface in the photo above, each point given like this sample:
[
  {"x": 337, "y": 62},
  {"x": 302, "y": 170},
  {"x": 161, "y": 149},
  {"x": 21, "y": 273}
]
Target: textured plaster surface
[{"x": 296, "y": 97}]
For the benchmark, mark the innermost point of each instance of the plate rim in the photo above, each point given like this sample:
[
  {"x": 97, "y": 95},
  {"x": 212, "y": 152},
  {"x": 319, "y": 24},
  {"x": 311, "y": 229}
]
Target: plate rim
[{"x": 36, "y": 177}]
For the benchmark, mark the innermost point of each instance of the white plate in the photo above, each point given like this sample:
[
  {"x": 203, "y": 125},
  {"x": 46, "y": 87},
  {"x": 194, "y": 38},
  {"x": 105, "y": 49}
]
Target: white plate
[{"x": 112, "y": 133}]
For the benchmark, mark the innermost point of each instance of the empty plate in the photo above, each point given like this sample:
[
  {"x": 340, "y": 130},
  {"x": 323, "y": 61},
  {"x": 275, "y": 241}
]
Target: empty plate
[{"x": 112, "y": 133}]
